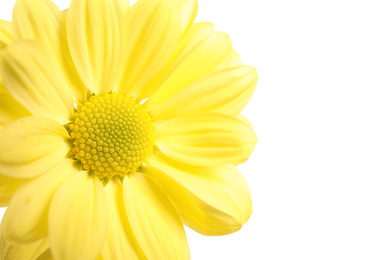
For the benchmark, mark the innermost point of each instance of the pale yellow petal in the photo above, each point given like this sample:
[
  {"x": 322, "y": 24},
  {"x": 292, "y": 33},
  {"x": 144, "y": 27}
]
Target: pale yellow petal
[
  {"x": 210, "y": 200},
  {"x": 10, "y": 109},
  {"x": 78, "y": 218},
  {"x": 198, "y": 33},
  {"x": 244, "y": 119},
  {"x": 33, "y": 76},
  {"x": 32, "y": 199},
  {"x": 121, "y": 242},
  {"x": 6, "y": 36},
  {"x": 26, "y": 252},
  {"x": 8, "y": 186},
  {"x": 188, "y": 10},
  {"x": 153, "y": 33},
  {"x": 96, "y": 36},
  {"x": 234, "y": 60},
  {"x": 42, "y": 20},
  {"x": 226, "y": 91},
  {"x": 206, "y": 139},
  {"x": 154, "y": 220},
  {"x": 31, "y": 146},
  {"x": 192, "y": 62},
  {"x": 124, "y": 5}
]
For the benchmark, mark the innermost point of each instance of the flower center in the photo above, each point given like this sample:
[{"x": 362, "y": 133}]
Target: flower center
[{"x": 112, "y": 135}]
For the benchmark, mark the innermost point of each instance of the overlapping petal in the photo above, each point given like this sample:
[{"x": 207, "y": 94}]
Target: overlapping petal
[
  {"x": 96, "y": 36},
  {"x": 121, "y": 242},
  {"x": 154, "y": 220},
  {"x": 31, "y": 251},
  {"x": 10, "y": 109},
  {"x": 6, "y": 36},
  {"x": 235, "y": 60},
  {"x": 78, "y": 218},
  {"x": 153, "y": 33},
  {"x": 226, "y": 91},
  {"x": 202, "y": 51},
  {"x": 124, "y": 5},
  {"x": 33, "y": 76},
  {"x": 41, "y": 20},
  {"x": 188, "y": 10},
  {"x": 210, "y": 200},
  {"x": 31, "y": 146},
  {"x": 32, "y": 199},
  {"x": 8, "y": 186},
  {"x": 206, "y": 139}
]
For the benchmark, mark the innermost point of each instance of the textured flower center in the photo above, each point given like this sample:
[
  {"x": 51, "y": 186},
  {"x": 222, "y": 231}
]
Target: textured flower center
[{"x": 111, "y": 135}]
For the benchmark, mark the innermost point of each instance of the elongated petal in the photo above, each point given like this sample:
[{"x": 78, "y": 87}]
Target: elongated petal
[
  {"x": 5, "y": 33},
  {"x": 34, "y": 78},
  {"x": 206, "y": 139},
  {"x": 234, "y": 60},
  {"x": 244, "y": 119},
  {"x": 96, "y": 36},
  {"x": 8, "y": 186},
  {"x": 10, "y": 109},
  {"x": 42, "y": 20},
  {"x": 153, "y": 33},
  {"x": 210, "y": 200},
  {"x": 188, "y": 10},
  {"x": 198, "y": 33},
  {"x": 32, "y": 199},
  {"x": 30, "y": 251},
  {"x": 154, "y": 220},
  {"x": 121, "y": 242},
  {"x": 78, "y": 218},
  {"x": 31, "y": 146},
  {"x": 124, "y": 5},
  {"x": 226, "y": 91},
  {"x": 192, "y": 62}
]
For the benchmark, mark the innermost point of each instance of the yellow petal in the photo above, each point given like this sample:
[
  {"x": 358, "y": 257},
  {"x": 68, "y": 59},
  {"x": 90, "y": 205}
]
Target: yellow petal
[
  {"x": 198, "y": 33},
  {"x": 30, "y": 251},
  {"x": 226, "y": 91},
  {"x": 153, "y": 33},
  {"x": 78, "y": 218},
  {"x": 189, "y": 10},
  {"x": 154, "y": 220},
  {"x": 32, "y": 199},
  {"x": 31, "y": 146},
  {"x": 121, "y": 242},
  {"x": 234, "y": 60},
  {"x": 124, "y": 5},
  {"x": 33, "y": 77},
  {"x": 210, "y": 200},
  {"x": 42, "y": 20},
  {"x": 47, "y": 255},
  {"x": 206, "y": 139},
  {"x": 244, "y": 119},
  {"x": 96, "y": 36},
  {"x": 10, "y": 109},
  {"x": 5, "y": 33},
  {"x": 8, "y": 186},
  {"x": 192, "y": 62}
]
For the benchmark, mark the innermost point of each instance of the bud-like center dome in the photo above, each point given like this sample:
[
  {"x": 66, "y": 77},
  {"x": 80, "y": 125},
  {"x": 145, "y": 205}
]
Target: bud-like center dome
[{"x": 112, "y": 135}]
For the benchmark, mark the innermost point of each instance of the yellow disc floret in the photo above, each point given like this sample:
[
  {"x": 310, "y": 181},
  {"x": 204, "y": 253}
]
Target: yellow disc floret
[{"x": 111, "y": 135}]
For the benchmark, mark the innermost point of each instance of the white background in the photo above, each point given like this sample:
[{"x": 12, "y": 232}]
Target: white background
[{"x": 320, "y": 176}]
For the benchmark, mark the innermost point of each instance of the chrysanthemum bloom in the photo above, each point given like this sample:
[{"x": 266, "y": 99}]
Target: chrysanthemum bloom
[{"x": 119, "y": 125}]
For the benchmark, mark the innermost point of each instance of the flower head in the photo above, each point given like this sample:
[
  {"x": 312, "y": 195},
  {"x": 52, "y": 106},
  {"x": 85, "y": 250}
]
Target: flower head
[{"x": 118, "y": 125}]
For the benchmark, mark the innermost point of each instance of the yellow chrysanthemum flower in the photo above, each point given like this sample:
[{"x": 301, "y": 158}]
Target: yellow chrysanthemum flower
[{"x": 119, "y": 125}]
